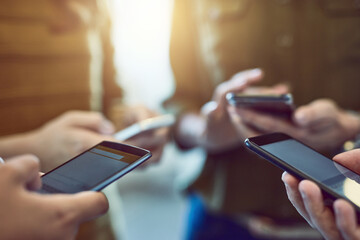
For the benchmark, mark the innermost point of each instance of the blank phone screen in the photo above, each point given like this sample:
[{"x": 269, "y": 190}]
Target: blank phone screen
[
  {"x": 87, "y": 170},
  {"x": 320, "y": 168}
]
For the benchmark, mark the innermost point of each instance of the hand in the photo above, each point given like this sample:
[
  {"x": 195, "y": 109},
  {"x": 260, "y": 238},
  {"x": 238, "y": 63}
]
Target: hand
[
  {"x": 239, "y": 116},
  {"x": 68, "y": 135},
  {"x": 28, "y": 215},
  {"x": 212, "y": 128},
  {"x": 321, "y": 124},
  {"x": 350, "y": 159},
  {"x": 308, "y": 201},
  {"x": 154, "y": 140}
]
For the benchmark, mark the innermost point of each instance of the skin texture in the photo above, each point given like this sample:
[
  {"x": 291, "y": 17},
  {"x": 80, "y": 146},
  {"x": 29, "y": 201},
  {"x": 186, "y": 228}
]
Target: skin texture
[
  {"x": 28, "y": 215},
  {"x": 153, "y": 140},
  {"x": 320, "y": 124},
  {"x": 74, "y": 132},
  {"x": 64, "y": 137},
  {"x": 308, "y": 201},
  {"x": 212, "y": 128}
]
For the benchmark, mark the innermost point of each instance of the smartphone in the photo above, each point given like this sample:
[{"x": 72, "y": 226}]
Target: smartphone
[
  {"x": 94, "y": 169},
  {"x": 279, "y": 104},
  {"x": 300, "y": 160},
  {"x": 148, "y": 124}
]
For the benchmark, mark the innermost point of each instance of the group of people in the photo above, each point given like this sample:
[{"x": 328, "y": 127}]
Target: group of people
[{"x": 309, "y": 48}]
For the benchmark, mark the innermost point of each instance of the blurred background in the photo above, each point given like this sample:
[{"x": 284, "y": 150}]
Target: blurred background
[
  {"x": 141, "y": 35},
  {"x": 168, "y": 56}
]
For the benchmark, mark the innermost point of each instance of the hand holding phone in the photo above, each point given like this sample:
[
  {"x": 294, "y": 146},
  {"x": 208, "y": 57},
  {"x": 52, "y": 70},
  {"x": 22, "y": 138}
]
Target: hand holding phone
[
  {"x": 94, "y": 169},
  {"x": 300, "y": 160},
  {"x": 148, "y": 124},
  {"x": 278, "y": 104}
]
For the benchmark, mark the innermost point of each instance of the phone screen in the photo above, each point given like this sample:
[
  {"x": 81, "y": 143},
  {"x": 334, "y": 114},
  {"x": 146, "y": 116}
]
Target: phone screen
[
  {"x": 313, "y": 165},
  {"x": 93, "y": 169}
]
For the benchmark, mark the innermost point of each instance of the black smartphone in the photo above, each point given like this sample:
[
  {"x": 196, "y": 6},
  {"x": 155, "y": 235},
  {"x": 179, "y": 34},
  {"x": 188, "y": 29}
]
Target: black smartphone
[
  {"x": 279, "y": 104},
  {"x": 94, "y": 169},
  {"x": 300, "y": 160}
]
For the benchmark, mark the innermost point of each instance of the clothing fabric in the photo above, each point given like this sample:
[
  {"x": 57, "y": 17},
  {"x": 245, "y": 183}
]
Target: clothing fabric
[
  {"x": 312, "y": 45},
  {"x": 54, "y": 56}
]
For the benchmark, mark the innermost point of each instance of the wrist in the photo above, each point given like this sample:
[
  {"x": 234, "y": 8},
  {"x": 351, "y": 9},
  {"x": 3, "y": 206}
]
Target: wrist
[
  {"x": 188, "y": 130},
  {"x": 17, "y": 144}
]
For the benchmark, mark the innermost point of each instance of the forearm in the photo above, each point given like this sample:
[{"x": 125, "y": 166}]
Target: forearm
[{"x": 17, "y": 144}]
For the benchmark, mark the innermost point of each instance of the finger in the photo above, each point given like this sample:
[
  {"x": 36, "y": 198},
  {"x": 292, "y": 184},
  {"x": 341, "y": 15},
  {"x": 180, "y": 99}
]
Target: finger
[
  {"x": 276, "y": 89},
  {"x": 322, "y": 111},
  {"x": 237, "y": 83},
  {"x": 242, "y": 129},
  {"x": 346, "y": 220},
  {"x": 141, "y": 112},
  {"x": 83, "y": 206},
  {"x": 349, "y": 159},
  {"x": 26, "y": 171},
  {"x": 86, "y": 139},
  {"x": 266, "y": 122},
  {"x": 150, "y": 139},
  {"x": 91, "y": 120},
  {"x": 292, "y": 190},
  {"x": 320, "y": 215},
  {"x": 281, "y": 88}
]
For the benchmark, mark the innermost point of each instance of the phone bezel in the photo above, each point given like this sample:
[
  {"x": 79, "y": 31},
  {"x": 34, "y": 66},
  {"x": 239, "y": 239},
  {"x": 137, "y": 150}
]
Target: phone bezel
[
  {"x": 254, "y": 144},
  {"x": 242, "y": 98},
  {"x": 279, "y": 104},
  {"x": 142, "y": 153}
]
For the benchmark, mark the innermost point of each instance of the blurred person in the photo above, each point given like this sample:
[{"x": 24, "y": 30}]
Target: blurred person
[
  {"x": 29, "y": 215},
  {"x": 308, "y": 45},
  {"x": 57, "y": 56},
  {"x": 60, "y": 139},
  {"x": 339, "y": 222},
  {"x": 322, "y": 124}
]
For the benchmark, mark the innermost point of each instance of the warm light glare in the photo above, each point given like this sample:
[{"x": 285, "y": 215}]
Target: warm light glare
[
  {"x": 141, "y": 39},
  {"x": 352, "y": 191}
]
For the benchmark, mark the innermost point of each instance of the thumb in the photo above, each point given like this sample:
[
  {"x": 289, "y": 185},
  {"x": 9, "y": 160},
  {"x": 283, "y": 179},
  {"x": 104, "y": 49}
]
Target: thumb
[
  {"x": 237, "y": 83},
  {"x": 25, "y": 171},
  {"x": 350, "y": 159},
  {"x": 318, "y": 112},
  {"x": 83, "y": 206}
]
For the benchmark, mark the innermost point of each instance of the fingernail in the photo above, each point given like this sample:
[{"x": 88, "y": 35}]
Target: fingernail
[
  {"x": 107, "y": 127},
  {"x": 255, "y": 72},
  {"x": 283, "y": 177}
]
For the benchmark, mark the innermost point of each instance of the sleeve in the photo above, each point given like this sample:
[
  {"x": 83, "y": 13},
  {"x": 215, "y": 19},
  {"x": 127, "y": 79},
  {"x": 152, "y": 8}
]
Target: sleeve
[
  {"x": 184, "y": 58},
  {"x": 112, "y": 92}
]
